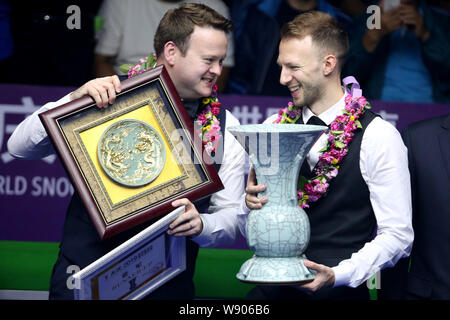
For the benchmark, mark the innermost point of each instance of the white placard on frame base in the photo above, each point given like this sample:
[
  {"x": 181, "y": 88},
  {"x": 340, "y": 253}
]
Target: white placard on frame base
[{"x": 135, "y": 268}]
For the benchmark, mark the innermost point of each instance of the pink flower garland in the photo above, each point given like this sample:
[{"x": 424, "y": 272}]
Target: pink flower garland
[
  {"x": 340, "y": 135},
  {"x": 207, "y": 120}
]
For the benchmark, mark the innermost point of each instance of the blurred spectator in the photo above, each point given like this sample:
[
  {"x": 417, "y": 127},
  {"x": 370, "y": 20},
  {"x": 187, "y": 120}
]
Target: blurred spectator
[
  {"x": 46, "y": 51},
  {"x": 257, "y": 36},
  {"x": 352, "y": 7},
  {"x": 6, "y": 43},
  {"x": 407, "y": 58},
  {"x": 128, "y": 30}
]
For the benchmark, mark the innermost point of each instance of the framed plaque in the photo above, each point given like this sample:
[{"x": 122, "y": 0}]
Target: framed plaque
[
  {"x": 129, "y": 161},
  {"x": 135, "y": 268}
]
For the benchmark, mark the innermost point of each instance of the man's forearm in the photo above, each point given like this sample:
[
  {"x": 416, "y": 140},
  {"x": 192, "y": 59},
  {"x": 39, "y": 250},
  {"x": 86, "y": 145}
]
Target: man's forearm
[{"x": 103, "y": 66}]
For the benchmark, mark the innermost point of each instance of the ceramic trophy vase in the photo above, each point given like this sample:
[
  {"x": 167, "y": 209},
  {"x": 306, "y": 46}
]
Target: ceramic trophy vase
[{"x": 279, "y": 233}]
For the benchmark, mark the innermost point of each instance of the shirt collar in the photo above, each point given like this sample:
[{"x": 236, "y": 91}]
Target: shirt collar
[{"x": 327, "y": 116}]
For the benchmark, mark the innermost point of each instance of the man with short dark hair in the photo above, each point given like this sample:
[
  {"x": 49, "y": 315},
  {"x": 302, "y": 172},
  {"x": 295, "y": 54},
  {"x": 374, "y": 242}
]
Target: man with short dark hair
[
  {"x": 192, "y": 54},
  {"x": 360, "y": 210}
]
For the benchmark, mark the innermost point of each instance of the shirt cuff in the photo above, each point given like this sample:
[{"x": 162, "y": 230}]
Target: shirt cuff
[
  {"x": 342, "y": 274},
  {"x": 204, "y": 238}
]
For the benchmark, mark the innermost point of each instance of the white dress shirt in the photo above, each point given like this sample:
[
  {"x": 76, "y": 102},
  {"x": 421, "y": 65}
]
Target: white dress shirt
[
  {"x": 30, "y": 141},
  {"x": 221, "y": 224},
  {"x": 384, "y": 168}
]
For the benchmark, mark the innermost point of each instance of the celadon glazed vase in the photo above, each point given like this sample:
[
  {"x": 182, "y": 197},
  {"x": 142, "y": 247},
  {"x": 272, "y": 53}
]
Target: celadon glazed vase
[{"x": 279, "y": 233}]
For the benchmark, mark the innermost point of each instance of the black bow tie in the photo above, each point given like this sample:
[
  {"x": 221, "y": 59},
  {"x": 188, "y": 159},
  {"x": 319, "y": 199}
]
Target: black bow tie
[{"x": 316, "y": 120}]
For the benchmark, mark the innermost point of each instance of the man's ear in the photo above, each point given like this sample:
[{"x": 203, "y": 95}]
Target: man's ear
[
  {"x": 330, "y": 63},
  {"x": 170, "y": 52}
]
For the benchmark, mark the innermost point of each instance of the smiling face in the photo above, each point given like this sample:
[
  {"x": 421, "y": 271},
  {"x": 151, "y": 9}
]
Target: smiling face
[
  {"x": 301, "y": 70},
  {"x": 195, "y": 73}
]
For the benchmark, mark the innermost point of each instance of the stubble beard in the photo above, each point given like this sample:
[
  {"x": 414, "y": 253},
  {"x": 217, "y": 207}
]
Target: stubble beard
[{"x": 311, "y": 94}]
